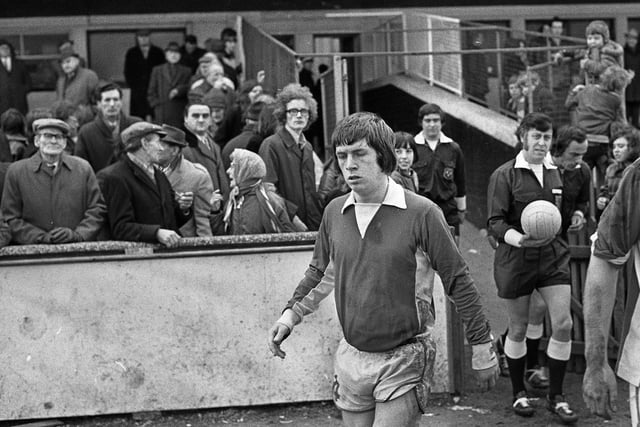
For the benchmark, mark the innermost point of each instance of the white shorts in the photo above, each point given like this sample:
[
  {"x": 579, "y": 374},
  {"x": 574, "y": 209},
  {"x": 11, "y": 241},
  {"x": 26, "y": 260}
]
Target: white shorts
[{"x": 363, "y": 378}]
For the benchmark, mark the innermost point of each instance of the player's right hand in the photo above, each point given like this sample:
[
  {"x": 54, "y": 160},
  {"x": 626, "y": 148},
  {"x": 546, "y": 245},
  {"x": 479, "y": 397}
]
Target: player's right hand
[
  {"x": 278, "y": 333},
  {"x": 529, "y": 242}
]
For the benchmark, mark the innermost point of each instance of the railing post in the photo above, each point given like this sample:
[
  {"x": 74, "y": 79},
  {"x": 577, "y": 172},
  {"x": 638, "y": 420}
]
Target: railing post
[{"x": 338, "y": 86}]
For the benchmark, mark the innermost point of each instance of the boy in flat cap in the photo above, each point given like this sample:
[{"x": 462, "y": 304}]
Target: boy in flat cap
[
  {"x": 141, "y": 205},
  {"x": 52, "y": 197}
]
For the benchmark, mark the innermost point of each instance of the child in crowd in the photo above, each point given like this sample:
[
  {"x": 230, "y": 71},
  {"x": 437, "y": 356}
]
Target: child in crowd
[
  {"x": 542, "y": 96},
  {"x": 599, "y": 112},
  {"x": 601, "y": 53},
  {"x": 517, "y": 103},
  {"x": 406, "y": 154},
  {"x": 626, "y": 149}
]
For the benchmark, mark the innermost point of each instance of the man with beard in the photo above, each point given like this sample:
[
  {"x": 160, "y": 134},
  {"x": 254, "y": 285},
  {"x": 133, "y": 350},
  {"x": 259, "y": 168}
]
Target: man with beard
[{"x": 99, "y": 141}]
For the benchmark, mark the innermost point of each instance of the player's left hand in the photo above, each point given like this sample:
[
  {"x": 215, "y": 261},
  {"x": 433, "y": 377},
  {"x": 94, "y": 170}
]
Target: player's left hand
[
  {"x": 600, "y": 390},
  {"x": 487, "y": 377}
]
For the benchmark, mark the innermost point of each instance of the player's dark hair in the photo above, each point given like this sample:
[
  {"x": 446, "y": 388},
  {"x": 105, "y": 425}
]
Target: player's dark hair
[{"x": 371, "y": 128}]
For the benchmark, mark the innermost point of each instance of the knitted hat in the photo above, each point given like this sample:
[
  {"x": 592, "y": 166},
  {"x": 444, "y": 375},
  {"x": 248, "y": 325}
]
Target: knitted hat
[
  {"x": 598, "y": 27},
  {"x": 248, "y": 167},
  {"x": 215, "y": 98}
]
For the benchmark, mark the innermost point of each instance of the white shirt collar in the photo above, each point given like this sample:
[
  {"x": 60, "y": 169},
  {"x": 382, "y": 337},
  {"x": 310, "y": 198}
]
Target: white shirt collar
[
  {"x": 553, "y": 163},
  {"x": 394, "y": 197},
  {"x": 522, "y": 163},
  {"x": 420, "y": 140}
]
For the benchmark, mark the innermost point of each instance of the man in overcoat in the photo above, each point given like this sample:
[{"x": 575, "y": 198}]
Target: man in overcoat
[
  {"x": 168, "y": 87},
  {"x": 52, "y": 197},
  {"x": 15, "y": 81},
  {"x": 138, "y": 63},
  {"x": 141, "y": 205},
  {"x": 99, "y": 141}
]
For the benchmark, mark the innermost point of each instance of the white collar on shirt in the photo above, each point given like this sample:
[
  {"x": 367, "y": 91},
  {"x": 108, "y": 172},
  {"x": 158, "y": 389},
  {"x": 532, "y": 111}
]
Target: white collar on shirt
[
  {"x": 550, "y": 159},
  {"x": 522, "y": 163},
  {"x": 394, "y": 197},
  {"x": 420, "y": 140}
]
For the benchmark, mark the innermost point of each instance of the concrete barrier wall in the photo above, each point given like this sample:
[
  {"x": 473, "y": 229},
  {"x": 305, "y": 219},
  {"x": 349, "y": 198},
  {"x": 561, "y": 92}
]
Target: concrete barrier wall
[{"x": 114, "y": 327}]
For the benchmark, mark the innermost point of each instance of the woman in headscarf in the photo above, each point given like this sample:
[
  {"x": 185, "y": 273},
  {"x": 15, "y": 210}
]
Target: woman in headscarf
[{"x": 253, "y": 208}]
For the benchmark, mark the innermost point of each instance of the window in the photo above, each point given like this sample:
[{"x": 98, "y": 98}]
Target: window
[{"x": 40, "y": 55}]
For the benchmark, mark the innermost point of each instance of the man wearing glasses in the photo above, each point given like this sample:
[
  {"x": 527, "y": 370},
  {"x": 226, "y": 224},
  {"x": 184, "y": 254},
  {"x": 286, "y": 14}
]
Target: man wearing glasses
[
  {"x": 289, "y": 156},
  {"x": 52, "y": 197}
]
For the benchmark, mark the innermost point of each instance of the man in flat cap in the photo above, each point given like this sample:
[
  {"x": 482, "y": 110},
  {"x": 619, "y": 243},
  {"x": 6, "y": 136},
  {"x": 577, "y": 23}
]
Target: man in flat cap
[
  {"x": 138, "y": 63},
  {"x": 189, "y": 180},
  {"x": 99, "y": 141},
  {"x": 52, "y": 197},
  {"x": 141, "y": 205},
  {"x": 168, "y": 87},
  {"x": 78, "y": 83}
]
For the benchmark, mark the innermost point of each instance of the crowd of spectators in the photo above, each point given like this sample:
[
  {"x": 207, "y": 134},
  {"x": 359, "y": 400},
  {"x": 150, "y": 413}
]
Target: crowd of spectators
[
  {"x": 595, "y": 88},
  {"x": 203, "y": 150}
]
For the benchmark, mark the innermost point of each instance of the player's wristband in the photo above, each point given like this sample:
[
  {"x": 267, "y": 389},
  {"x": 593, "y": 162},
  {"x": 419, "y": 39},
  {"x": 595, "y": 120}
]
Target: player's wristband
[
  {"x": 483, "y": 356},
  {"x": 289, "y": 318}
]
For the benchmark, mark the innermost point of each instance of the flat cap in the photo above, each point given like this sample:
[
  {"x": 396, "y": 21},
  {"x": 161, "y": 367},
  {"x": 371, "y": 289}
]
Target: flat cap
[
  {"x": 41, "y": 124},
  {"x": 172, "y": 47},
  {"x": 173, "y": 136},
  {"x": 143, "y": 32},
  {"x": 138, "y": 130}
]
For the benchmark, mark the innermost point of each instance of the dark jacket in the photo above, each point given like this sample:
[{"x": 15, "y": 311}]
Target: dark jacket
[
  {"x": 96, "y": 143},
  {"x": 197, "y": 152},
  {"x": 292, "y": 171},
  {"x": 137, "y": 207},
  {"x": 35, "y": 200},
  {"x": 137, "y": 72},
  {"x": 632, "y": 62},
  {"x": 575, "y": 193},
  {"x": 14, "y": 87},
  {"x": 162, "y": 81}
]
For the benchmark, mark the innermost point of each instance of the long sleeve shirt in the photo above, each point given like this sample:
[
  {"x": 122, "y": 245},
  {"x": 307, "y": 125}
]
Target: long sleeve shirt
[{"x": 384, "y": 278}]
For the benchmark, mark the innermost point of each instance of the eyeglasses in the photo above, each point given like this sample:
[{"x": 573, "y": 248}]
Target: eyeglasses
[
  {"x": 52, "y": 136},
  {"x": 296, "y": 111}
]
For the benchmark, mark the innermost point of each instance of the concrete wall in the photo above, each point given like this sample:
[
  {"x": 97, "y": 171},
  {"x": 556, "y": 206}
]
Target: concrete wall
[{"x": 132, "y": 328}]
